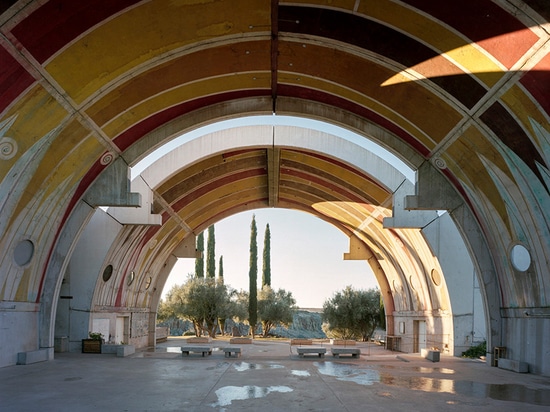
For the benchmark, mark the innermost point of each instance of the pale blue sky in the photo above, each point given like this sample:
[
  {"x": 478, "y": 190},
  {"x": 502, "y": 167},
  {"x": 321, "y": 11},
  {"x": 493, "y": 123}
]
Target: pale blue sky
[
  {"x": 306, "y": 252},
  {"x": 306, "y": 256}
]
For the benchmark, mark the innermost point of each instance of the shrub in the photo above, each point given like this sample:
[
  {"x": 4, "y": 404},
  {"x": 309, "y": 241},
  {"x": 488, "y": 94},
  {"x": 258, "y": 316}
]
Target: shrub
[{"x": 476, "y": 351}]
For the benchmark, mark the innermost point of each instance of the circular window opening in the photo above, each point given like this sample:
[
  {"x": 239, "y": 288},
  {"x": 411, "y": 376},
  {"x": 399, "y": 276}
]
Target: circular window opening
[
  {"x": 107, "y": 273},
  {"x": 23, "y": 252},
  {"x": 520, "y": 257}
]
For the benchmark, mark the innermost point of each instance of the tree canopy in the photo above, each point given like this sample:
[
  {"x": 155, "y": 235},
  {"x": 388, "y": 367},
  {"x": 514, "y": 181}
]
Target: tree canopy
[
  {"x": 275, "y": 308},
  {"x": 211, "y": 253},
  {"x": 266, "y": 261},
  {"x": 352, "y": 314},
  {"x": 199, "y": 260},
  {"x": 200, "y": 300},
  {"x": 253, "y": 277}
]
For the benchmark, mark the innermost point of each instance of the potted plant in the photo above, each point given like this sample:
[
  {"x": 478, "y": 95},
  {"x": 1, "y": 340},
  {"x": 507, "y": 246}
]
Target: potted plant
[{"x": 93, "y": 343}]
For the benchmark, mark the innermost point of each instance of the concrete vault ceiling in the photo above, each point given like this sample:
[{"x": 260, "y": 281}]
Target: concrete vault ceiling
[{"x": 457, "y": 90}]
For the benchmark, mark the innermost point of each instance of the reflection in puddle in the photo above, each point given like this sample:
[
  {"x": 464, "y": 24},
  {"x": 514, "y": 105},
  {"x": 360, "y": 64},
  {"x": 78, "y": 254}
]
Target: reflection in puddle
[
  {"x": 343, "y": 372},
  {"x": 228, "y": 394},
  {"x": 245, "y": 366},
  {"x": 446, "y": 371},
  {"x": 300, "y": 373},
  {"x": 501, "y": 392}
]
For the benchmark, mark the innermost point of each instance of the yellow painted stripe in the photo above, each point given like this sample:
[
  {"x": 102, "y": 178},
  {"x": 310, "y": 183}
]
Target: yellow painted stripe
[
  {"x": 436, "y": 35},
  {"x": 146, "y": 32},
  {"x": 187, "y": 92}
]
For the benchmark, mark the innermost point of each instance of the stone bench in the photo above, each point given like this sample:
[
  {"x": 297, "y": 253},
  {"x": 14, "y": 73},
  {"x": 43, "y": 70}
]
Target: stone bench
[
  {"x": 245, "y": 341},
  {"x": 197, "y": 339},
  {"x": 431, "y": 355},
  {"x": 40, "y": 355},
  {"x": 513, "y": 365},
  {"x": 301, "y": 342},
  {"x": 205, "y": 350},
  {"x": 318, "y": 351},
  {"x": 118, "y": 350},
  {"x": 228, "y": 351},
  {"x": 343, "y": 342},
  {"x": 354, "y": 352}
]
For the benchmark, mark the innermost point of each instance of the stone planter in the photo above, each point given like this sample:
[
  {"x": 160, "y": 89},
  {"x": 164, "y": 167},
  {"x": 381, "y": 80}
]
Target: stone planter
[{"x": 91, "y": 346}]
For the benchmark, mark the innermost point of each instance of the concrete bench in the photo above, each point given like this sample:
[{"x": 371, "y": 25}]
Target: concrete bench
[
  {"x": 196, "y": 339},
  {"x": 343, "y": 342},
  {"x": 228, "y": 351},
  {"x": 241, "y": 341},
  {"x": 431, "y": 355},
  {"x": 513, "y": 365},
  {"x": 300, "y": 342},
  {"x": 318, "y": 351},
  {"x": 40, "y": 355},
  {"x": 205, "y": 350},
  {"x": 118, "y": 350},
  {"x": 354, "y": 352}
]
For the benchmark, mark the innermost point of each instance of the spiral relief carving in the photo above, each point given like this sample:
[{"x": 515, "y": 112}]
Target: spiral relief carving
[
  {"x": 8, "y": 148},
  {"x": 107, "y": 158}
]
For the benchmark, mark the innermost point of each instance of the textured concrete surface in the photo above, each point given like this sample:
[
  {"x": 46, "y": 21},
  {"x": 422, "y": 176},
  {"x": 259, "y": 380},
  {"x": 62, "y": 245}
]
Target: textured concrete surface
[{"x": 268, "y": 376}]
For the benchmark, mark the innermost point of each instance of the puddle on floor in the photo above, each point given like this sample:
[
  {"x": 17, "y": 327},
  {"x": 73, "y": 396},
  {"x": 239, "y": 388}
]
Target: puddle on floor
[
  {"x": 245, "y": 366},
  {"x": 344, "y": 372},
  {"x": 300, "y": 373},
  {"x": 445, "y": 371},
  {"x": 228, "y": 394},
  {"x": 501, "y": 392}
]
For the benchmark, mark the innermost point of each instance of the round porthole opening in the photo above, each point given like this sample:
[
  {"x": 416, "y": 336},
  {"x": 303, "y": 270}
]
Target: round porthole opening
[
  {"x": 23, "y": 252},
  {"x": 520, "y": 258},
  {"x": 107, "y": 273}
]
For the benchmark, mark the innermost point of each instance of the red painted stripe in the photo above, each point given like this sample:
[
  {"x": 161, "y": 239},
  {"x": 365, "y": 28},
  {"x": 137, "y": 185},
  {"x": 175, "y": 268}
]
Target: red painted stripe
[
  {"x": 331, "y": 100},
  {"x": 484, "y": 22},
  {"x": 339, "y": 164},
  {"x": 225, "y": 180},
  {"x": 58, "y": 22},
  {"x": 14, "y": 79},
  {"x": 537, "y": 82}
]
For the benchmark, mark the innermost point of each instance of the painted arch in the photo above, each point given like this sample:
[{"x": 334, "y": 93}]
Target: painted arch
[{"x": 458, "y": 91}]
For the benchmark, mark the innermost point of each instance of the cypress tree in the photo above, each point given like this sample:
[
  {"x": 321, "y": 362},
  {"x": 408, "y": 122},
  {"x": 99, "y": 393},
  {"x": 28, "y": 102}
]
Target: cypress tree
[
  {"x": 220, "y": 270},
  {"x": 266, "y": 266},
  {"x": 211, "y": 254},
  {"x": 199, "y": 260},
  {"x": 253, "y": 277}
]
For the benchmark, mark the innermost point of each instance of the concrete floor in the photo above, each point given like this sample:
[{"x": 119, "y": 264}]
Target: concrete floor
[{"x": 267, "y": 376}]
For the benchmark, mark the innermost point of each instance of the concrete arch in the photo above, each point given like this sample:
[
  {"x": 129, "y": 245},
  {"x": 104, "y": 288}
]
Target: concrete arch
[{"x": 457, "y": 91}]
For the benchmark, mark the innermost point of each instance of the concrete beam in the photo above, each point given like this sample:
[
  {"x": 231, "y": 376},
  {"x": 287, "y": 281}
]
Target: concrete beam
[
  {"x": 357, "y": 250},
  {"x": 273, "y": 168},
  {"x": 433, "y": 191},
  {"x": 112, "y": 187},
  {"x": 403, "y": 218},
  {"x": 137, "y": 215},
  {"x": 187, "y": 248}
]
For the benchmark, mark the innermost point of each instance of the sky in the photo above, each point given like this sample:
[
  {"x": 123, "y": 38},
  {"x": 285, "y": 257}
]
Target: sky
[
  {"x": 306, "y": 256},
  {"x": 306, "y": 252}
]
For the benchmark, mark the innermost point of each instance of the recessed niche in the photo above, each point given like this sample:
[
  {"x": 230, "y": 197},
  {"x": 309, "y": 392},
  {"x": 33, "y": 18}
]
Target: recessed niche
[
  {"x": 131, "y": 277},
  {"x": 148, "y": 282},
  {"x": 23, "y": 252},
  {"x": 520, "y": 258},
  {"x": 107, "y": 273},
  {"x": 436, "y": 277}
]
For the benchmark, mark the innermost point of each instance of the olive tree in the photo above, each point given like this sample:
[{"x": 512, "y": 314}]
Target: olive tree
[
  {"x": 352, "y": 314},
  {"x": 275, "y": 307},
  {"x": 202, "y": 301}
]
